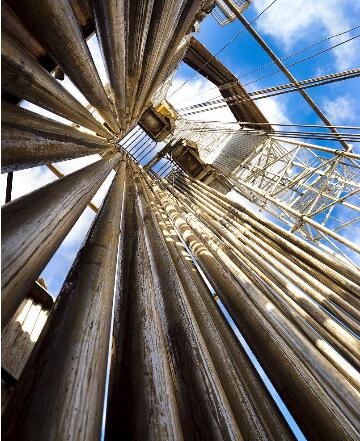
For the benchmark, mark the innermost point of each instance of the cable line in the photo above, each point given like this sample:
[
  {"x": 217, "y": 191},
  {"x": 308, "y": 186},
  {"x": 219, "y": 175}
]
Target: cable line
[
  {"x": 224, "y": 47},
  {"x": 224, "y": 86},
  {"x": 276, "y": 90}
]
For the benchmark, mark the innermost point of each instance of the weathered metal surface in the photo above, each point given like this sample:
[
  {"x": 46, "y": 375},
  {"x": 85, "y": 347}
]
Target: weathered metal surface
[
  {"x": 341, "y": 273},
  {"x": 14, "y": 26},
  {"x": 305, "y": 379},
  {"x": 56, "y": 27},
  {"x": 141, "y": 402},
  {"x": 200, "y": 59},
  {"x": 203, "y": 407},
  {"x": 109, "y": 19},
  {"x": 61, "y": 393},
  {"x": 34, "y": 225},
  {"x": 159, "y": 66},
  {"x": 254, "y": 410},
  {"x": 15, "y": 116},
  {"x": 24, "y": 77},
  {"x": 288, "y": 296},
  {"x": 22, "y": 149}
]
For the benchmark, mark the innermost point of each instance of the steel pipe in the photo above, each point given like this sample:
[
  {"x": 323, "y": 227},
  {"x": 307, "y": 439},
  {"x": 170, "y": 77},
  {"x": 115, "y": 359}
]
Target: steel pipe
[
  {"x": 22, "y": 149},
  {"x": 24, "y": 77},
  {"x": 57, "y": 29},
  {"x": 61, "y": 393},
  {"x": 34, "y": 226}
]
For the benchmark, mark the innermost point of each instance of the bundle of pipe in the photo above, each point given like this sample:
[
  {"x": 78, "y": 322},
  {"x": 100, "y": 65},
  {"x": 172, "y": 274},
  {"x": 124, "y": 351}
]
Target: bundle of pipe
[
  {"x": 34, "y": 226},
  {"x": 56, "y": 27},
  {"x": 30, "y": 140},
  {"x": 176, "y": 368},
  {"x": 24, "y": 77},
  {"x": 139, "y": 41},
  {"x": 297, "y": 306}
]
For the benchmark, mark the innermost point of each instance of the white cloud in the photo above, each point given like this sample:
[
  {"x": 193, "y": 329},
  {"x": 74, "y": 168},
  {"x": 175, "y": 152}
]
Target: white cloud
[
  {"x": 273, "y": 110},
  {"x": 304, "y": 21},
  {"x": 196, "y": 91},
  {"x": 340, "y": 110}
]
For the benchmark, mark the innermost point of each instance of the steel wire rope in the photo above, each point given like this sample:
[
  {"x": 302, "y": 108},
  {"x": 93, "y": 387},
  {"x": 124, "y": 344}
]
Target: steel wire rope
[
  {"x": 278, "y": 90},
  {"x": 224, "y": 47},
  {"x": 272, "y": 62}
]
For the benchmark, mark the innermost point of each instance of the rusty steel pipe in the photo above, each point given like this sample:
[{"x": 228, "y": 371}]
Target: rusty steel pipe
[
  {"x": 23, "y": 76},
  {"x": 34, "y": 226}
]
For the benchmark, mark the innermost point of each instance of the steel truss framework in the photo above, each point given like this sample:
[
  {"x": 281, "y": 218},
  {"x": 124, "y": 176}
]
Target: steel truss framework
[{"x": 305, "y": 186}]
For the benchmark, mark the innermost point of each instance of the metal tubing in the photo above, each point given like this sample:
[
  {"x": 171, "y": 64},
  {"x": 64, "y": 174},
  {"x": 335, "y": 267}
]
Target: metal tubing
[
  {"x": 24, "y": 77},
  {"x": 269, "y": 334},
  {"x": 237, "y": 229},
  {"x": 254, "y": 410},
  {"x": 34, "y": 226},
  {"x": 61, "y": 393},
  {"x": 240, "y": 252},
  {"x": 15, "y": 116},
  {"x": 320, "y": 260},
  {"x": 209, "y": 417},
  {"x": 109, "y": 19},
  {"x": 57, "y": 29},
  {"x": 21, "y": 149},
  {"x": 141, "y": 400}
]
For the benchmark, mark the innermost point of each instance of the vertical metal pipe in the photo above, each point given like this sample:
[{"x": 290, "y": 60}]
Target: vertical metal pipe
[
  {"x": 278, "y": 345},
  {"x": 257, "y": 416},
  {"x": 203, "y": 406},
  {"x": 15, "y": 116},
  {"x": 57, "y": 29},
  {"x": 249, "y": 261},
  {"x": 141, "y": 399},
  {"x": 34, "y": 225},
  {"x": 24, "y": 77},
  {"x": 109, "y": 18},
  {"x": 22, "y": 149},
  {"x": 61, "y": 393}
]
